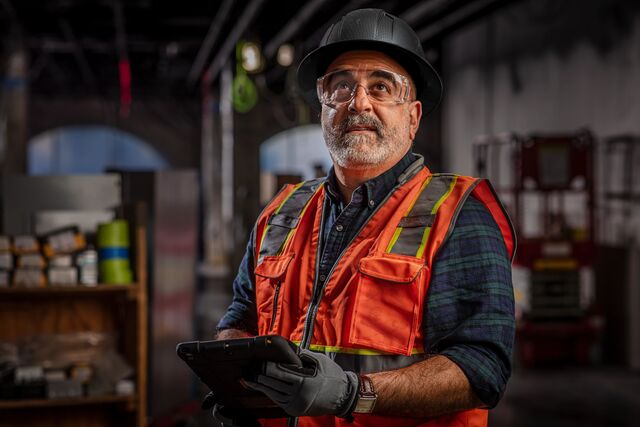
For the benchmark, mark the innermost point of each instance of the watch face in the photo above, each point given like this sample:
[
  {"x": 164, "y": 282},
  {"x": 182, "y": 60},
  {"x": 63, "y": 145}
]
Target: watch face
[{"x": 365, "y": 404}]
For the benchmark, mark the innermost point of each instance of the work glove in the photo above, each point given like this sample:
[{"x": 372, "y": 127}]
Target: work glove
[
  {"x": 321, "y": 387},
  {"x": 226, "y": 416}
]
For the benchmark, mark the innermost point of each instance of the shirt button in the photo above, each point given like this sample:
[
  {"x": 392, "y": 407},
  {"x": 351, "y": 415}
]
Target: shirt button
[
  {"x": 339, "y": 227},
  {"x": 322, "y": 277},
  {"x": 372, "y": 203}
]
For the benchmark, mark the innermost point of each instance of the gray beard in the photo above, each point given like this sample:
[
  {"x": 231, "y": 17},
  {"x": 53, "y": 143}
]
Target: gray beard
[{"x": 362, "y": 150}]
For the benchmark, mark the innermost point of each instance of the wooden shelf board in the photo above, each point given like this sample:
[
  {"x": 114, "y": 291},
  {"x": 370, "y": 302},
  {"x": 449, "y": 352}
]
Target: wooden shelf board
[
  {"x": 80, "y": 401},
  {"x": 70, "y": 290}
]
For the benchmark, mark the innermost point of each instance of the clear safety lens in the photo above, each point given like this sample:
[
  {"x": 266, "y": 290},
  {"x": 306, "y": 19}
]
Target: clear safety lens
[{"x": 382, "y": 86}]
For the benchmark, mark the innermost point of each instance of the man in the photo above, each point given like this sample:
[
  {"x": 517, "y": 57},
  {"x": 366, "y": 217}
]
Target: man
[{"x": 395, "y": 282}]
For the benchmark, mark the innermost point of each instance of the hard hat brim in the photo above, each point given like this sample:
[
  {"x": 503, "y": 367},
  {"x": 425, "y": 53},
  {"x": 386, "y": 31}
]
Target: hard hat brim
[{"x": 314, "y": 65}]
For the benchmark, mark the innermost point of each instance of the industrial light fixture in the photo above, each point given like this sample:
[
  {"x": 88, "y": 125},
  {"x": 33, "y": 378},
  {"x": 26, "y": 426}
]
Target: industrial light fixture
[
  {"x": 285, "y": 54},
  {"x": 252, "y": 60},
  {"x": 172, "y": 49}
]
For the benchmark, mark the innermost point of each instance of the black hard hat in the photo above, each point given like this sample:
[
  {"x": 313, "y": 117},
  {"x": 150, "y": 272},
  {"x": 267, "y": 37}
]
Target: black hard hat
[{"x": 372, "y": 29}]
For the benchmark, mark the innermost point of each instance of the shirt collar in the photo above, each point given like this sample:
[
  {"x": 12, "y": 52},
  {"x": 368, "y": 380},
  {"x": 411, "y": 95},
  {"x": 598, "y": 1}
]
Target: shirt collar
[{"x": 376, "y": 189}]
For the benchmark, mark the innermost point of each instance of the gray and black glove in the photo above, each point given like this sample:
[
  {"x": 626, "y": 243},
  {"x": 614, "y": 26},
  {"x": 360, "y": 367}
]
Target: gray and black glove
[
  {"x": 325, "y": 389},
  {"x": 226, "y": 416}
]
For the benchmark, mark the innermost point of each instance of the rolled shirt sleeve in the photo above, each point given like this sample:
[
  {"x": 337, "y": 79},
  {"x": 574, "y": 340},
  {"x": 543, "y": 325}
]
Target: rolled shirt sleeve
[{"x": 469, "y": 314}]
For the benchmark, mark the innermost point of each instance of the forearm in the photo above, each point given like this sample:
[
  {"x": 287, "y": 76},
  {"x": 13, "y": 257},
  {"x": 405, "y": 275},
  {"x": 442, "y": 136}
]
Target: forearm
[
  {"x": 429, "y": 388},
  {"x": 229, "y": 334}
]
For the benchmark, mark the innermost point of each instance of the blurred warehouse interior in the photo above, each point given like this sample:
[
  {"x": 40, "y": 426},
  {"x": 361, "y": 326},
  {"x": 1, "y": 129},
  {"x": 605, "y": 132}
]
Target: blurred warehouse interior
[{"x": 184, "y": 119}]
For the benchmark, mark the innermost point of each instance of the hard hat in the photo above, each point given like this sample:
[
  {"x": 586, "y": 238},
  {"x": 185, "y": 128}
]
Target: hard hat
[{"x": 372, "y": 29}]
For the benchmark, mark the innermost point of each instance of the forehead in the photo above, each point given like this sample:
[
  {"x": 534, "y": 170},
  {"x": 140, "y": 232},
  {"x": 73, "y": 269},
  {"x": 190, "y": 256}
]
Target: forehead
[{"x": 366, "y": 59}]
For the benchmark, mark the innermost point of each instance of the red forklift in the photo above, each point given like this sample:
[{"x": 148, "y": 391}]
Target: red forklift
[{"x": 547, "y": 185}]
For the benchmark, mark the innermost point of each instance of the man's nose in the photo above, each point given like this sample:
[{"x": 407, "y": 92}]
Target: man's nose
[{"x": 360, "y": 101}]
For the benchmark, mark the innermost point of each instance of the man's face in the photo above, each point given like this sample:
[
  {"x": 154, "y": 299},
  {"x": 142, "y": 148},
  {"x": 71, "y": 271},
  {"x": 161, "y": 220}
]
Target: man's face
[{"x": 364, "y": 132}]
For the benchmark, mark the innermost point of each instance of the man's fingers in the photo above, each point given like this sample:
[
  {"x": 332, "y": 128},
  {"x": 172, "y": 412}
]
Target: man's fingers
[
  {"x": 277, "y": 385},
  {"x": 281, "y": 373},
  {"x": 275, "y": 395},
  {"x": 268, "y": 387}
]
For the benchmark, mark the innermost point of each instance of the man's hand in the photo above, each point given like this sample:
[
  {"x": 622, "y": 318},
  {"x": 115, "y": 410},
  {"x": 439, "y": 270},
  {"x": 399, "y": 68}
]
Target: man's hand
[
  {"x": 226, "y": 417},
  {"x": 325, "y": 389}
]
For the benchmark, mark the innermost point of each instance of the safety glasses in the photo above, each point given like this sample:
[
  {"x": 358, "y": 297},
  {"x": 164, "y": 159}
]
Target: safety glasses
[{"x": 381, "y": 86}]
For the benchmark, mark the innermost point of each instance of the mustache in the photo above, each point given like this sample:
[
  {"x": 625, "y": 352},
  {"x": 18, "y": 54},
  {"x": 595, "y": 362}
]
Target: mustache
[{"x": 362, "y": 120}]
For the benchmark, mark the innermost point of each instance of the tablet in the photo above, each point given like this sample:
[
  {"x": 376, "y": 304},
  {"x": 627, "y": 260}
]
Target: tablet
[{"x": 223, "y": 365}]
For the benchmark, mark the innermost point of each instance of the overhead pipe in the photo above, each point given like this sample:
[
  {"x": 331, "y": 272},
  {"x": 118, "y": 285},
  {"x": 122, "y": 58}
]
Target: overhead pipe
[
  {"x": 294, "y": 24},
  {"x": 87, "y": 74},
  {"x": 228, "y": 46},
  {"x": 414, "y": 14},
  {"x": 461, "y": 17},
  {"x": 209, "y": 41}
]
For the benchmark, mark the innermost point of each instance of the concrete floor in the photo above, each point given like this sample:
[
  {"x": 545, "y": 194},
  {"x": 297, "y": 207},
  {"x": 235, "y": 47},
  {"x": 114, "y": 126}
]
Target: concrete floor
[{"x": 570, "y": 397}]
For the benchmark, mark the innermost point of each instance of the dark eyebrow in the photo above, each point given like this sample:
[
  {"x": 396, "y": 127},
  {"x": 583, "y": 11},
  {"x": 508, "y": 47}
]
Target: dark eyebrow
[
  {"x": 382, "y": 74},
  {"x": 342, "y": 73}
]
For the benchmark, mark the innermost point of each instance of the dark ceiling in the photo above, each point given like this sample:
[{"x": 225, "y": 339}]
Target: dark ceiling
[{"x": 75, "y": 46}]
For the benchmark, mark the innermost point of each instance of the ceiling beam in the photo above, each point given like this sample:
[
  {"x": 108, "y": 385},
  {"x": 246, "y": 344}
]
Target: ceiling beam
[
  {"x": 293, "y": 25},
  {"x": 228, "y": 45},
  {"x": 209, "y": 41},
  {"x": 87, "y": 74},
  {"x": 57, "y": 45},
  {"x": 460, "y": 18},
  {"x": 414, "y": 14}
]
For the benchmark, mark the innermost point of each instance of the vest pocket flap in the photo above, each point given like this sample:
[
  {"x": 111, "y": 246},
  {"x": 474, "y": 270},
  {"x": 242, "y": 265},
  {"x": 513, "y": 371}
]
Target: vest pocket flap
[
  {"x": 391, "y": 269},
  {"x": 273, "y": 267},
  {"x": 283, "y": 220}
]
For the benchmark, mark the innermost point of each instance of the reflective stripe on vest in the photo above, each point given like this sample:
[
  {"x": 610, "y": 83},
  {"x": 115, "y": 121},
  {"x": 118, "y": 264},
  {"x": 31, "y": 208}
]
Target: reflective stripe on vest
[
  {"x": 284, "y": 220},
  {"x": 410, "y": 237}
]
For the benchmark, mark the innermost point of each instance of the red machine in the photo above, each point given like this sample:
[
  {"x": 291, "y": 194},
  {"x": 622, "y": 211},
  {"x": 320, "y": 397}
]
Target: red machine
[{"x": 549, "y": 192}]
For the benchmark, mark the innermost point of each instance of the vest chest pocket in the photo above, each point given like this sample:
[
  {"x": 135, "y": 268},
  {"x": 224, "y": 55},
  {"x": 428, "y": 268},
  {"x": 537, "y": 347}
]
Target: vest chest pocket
[
  {"x": 269, "y": 278},
  {"x": 387, "y": 303}
]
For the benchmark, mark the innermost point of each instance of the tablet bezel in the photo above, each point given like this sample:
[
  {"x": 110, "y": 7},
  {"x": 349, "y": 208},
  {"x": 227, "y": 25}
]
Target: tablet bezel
[{"x": 224, "y": 364}]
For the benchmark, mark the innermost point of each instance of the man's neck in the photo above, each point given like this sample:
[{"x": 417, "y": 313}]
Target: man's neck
[{"x": 349, "y": 179}]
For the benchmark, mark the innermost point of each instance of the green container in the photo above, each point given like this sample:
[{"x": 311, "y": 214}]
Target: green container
[
  {"x": 114, "y": 234},
  {"x": 115, "y": 271}
]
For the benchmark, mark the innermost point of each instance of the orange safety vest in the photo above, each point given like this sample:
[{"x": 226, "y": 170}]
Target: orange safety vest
[{"x": 371, "y": 304}]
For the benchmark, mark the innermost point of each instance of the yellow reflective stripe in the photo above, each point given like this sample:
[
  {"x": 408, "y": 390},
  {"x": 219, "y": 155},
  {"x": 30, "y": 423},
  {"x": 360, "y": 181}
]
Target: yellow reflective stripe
[
  {"x": 445, "y": 195},
  {"x": 426, "y": 182},
  {"x": 284, "y": 245},
  {"x": 427, "y": 230},
  {"x": 358, "y": 351},
  {"x": 264, "y": 233},
  {"x": 396, "y": 234},
  {"x": 394, "y": 239},
  {"x": 423, "y": 243}
]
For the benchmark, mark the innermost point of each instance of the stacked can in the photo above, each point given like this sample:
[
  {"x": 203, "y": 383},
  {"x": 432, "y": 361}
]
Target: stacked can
[
  {"x": 87, "y": 262},
  {"x": 113, "y": 253}
]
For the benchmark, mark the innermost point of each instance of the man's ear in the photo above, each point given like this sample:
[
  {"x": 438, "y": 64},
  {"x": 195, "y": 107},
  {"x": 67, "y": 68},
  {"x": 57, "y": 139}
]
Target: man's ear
[{"x": 415, "y": 114}]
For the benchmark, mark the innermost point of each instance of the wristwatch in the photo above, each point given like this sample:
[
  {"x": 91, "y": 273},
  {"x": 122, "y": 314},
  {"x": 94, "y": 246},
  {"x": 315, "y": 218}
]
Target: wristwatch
[{"x": 366, "y": 396}]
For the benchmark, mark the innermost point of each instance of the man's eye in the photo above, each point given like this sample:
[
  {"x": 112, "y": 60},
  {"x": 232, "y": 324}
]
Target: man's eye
[
  {"x": 380, "y": 87},
  {"x": 342, "y": 86}
]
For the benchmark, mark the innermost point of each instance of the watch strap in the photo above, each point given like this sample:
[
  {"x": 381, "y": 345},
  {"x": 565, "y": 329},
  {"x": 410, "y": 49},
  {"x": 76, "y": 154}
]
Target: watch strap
[{"x": 366, "y": 396}]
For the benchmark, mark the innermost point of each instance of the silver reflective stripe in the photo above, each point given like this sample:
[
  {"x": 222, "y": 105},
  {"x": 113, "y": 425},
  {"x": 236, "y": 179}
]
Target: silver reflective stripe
[
  {"x": 413, "y": 228},
  {"x": 367, "y": 364},
  {"x": 286, "y": 219}
]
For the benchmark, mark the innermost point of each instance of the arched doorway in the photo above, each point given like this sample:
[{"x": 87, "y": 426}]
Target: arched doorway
[
  {"x": 291, "y": 156},
  {"x": 90, "y": 149}
]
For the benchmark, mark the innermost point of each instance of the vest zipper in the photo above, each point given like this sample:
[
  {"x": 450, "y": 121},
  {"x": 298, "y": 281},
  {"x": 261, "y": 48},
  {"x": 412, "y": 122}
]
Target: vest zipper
[
  {"x": 274, "y": 312},
  {"x": 318, "y": 291}
]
